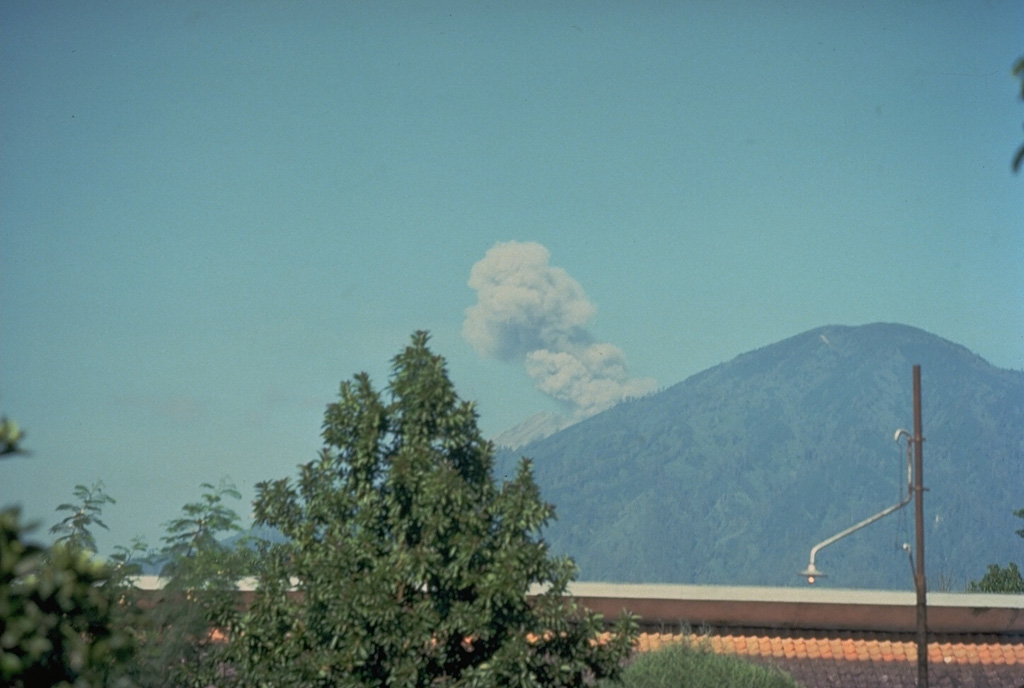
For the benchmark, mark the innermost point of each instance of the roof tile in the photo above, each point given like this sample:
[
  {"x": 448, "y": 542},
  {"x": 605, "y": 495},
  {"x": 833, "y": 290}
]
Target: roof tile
[{"x": 864, "y": 659}]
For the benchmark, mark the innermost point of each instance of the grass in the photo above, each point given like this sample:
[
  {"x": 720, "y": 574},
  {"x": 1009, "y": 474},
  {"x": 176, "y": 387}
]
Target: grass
[{"x": 694, "y": 665}]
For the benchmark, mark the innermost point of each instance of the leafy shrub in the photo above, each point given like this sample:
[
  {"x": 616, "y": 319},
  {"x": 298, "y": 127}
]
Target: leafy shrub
[{"x": 689, "y": 665}]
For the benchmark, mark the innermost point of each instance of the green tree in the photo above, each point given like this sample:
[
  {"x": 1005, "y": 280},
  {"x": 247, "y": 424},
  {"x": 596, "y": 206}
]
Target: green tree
[
  {"x": 406, "y": 564},
  {"x": 75, "y": 529},
  {"x": 128, "y": 560},
  {"x": 200, "y": 582},
  {"x": 195, "y": 557},
  {"x": 75, "y": 533},
  {"x": 59, "y": 620},
  {"x": 999, "y": 579}
]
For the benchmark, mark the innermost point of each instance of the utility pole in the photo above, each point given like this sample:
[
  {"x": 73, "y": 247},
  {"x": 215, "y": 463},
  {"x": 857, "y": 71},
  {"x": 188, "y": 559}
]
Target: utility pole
[
  {"x": 920, "y": 583},
  {"x": 917, "y": 490}
]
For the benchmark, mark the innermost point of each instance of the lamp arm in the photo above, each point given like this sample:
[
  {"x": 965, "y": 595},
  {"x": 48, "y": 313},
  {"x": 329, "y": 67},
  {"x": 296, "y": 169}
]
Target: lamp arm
[{"x": 852, "y": 529}]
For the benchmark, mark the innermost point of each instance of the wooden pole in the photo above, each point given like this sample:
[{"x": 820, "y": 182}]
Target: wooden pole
[{"x": 920, "y": 583}]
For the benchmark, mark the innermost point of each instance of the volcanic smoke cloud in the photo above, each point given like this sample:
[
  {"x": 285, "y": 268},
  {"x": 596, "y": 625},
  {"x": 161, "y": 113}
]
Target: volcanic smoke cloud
[{"x": 531, "y": 312}]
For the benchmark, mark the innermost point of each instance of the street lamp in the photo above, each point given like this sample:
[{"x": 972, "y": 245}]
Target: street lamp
[
  {"x": 915, "y": 491},
  {"x": 811, "y": 573}
]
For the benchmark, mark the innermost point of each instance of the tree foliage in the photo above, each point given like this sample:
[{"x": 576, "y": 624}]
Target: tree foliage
[
  {"x": 406, "y": 564},
  {"x": 58, "y": 618},
  {"x": 195, "y": 556},
  {"x": 999, "y": 579},
  {"x": 128, "y": 560},
  {"x": 200, "y": 581},
  {"x": 694, "y": 664},
  {"x": 11, "y": 436},
  {"x": 75, "y": 529}
]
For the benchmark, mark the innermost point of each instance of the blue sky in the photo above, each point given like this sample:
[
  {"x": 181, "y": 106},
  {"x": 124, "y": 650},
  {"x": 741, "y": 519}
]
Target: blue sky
[{"x": 212, "y": 213}]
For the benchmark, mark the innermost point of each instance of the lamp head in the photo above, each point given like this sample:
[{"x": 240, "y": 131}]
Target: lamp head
[{"x": 811, "y": 574}]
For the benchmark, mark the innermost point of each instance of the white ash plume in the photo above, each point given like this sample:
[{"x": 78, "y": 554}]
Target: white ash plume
[{"x": 531, "y": 312}]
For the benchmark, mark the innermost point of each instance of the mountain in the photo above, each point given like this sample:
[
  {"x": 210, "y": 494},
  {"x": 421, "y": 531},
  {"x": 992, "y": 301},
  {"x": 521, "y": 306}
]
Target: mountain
[
  {"x": 731, "y": 476},
  {"x": 536, "y": 427},
  {"x": 154, "y": 564}
]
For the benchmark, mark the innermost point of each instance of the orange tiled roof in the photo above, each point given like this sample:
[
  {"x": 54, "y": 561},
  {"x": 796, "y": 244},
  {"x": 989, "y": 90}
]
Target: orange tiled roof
[{"x": 824, "y": 659}]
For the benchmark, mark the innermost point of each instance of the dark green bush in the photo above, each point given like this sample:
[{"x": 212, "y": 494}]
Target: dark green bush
[
  {"x": 694, "y": 665},
  {"x": 58, "y": 618}
]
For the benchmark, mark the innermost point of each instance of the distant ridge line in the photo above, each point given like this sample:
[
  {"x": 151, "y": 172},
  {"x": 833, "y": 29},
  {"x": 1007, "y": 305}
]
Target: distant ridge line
[{"x": 730, "y": 476}]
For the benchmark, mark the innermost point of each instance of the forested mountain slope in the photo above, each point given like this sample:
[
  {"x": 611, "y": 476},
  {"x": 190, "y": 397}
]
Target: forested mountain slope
[{"x": 731, "y": 476}]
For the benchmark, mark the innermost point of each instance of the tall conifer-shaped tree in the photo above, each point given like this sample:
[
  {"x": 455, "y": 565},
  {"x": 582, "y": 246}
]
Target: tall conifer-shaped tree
[{"x": 407, "y": 565}]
